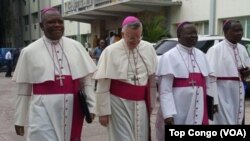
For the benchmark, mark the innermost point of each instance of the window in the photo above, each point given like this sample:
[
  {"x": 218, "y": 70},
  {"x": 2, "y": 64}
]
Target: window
[
  {"x": 206, "y": 28},
  {"x": 243, "y": 23},
  {"x": 26, "y": 20},
  {"x": 24, "y": 2},
  {"x": 248, "y": 27},
  {"x": 59, "y": 8},
  {"x": 35, "y": 18}
]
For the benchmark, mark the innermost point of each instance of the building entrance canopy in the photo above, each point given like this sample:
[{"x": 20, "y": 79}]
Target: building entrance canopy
[{"x": 91, "y": 10}]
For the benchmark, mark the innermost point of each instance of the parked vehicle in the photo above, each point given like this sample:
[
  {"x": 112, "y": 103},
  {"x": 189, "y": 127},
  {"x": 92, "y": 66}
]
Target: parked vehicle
[{"x": 204, "y": 43}]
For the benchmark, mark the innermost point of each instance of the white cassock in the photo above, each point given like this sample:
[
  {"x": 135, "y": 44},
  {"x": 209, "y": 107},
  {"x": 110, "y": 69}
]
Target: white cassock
[
  {"x": 226, "y": 58},
  {"x": 128, "y": 119},
  {"x": 50, "y": 116},
  {"x": 184, "y": 103}
]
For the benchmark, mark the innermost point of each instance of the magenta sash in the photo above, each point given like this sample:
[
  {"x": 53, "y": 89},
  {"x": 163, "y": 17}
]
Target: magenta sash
[
  {"x": 69, "y": 86},
  {"x": 132, "y": 92},
  {"x": 199, "y": 81}
]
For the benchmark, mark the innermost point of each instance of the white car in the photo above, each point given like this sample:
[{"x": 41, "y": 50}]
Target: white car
[{"x": 204, "y": 43}]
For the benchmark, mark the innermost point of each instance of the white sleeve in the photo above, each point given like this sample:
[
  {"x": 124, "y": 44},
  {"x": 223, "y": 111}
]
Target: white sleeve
[
  {"x": 212, "y": 88},
  {"x": 22, "y": 103},
  {"x": 87, "y": 84},
  {"x": 166, "y": 96},
  {"x": 103, "y": 97}
]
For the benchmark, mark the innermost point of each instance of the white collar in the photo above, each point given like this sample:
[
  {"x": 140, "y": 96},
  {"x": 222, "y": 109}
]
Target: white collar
[
  {"x": 185, "y": 49},
  {"x": 231, "y": 44},
  {"x": 55, "y": 42}
]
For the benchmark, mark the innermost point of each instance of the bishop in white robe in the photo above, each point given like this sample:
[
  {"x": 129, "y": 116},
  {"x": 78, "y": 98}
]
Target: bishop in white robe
[
  {"x": 185, "y": 82},
  {"x": 231, "y": 63},
  {"x": 49, "y": 73},
  {"x": 125, "y": 76},
  {"x": 184, "y": 86},
  {"x": 226, "y": 58}
]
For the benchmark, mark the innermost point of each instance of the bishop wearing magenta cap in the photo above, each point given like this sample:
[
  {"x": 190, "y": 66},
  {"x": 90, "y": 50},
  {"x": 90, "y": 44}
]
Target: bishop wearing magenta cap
[
  {"x": 126, "y": 85},
  {"x": 231, "y": 63},
  {"x": 187, "y": 85},
  {"x": 49, "y": 73}
]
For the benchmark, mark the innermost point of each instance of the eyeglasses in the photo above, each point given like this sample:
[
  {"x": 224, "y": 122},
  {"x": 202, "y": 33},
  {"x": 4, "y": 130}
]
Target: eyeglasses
[{"x": 134, "y": 25}]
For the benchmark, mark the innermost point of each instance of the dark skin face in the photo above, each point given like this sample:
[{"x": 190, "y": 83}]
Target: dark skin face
[
  {"x": 188, "y": 35},
  {"x": 52, "y": 25},
  {"x": 234, "y": 33}
]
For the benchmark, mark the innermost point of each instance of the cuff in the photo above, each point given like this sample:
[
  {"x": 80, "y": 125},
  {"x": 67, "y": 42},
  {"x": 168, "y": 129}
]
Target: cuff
[{"x": 103, "y": 106}]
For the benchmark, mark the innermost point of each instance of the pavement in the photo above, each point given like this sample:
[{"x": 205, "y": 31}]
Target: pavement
[{"x": 91, "y": 132}]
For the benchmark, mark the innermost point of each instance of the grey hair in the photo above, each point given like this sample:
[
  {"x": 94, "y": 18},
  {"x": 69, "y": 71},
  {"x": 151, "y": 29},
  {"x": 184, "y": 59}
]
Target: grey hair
[{"x": 133, "y": 26}]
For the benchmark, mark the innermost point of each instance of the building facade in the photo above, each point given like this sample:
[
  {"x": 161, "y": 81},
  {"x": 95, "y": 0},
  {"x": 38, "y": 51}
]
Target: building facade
[
  {"x": 208, "y": 15},
  {"x": 10, "y": 23},
  {"x": 86, "y": 18},
  {"x": 205, "y": 13},
  {"x": 105, "y": 16}
]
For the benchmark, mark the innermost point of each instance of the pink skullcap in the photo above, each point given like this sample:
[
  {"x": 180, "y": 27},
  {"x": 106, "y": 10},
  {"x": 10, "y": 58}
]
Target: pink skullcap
[
  {"x": 179, "y": 27},
  {"x": 182, "y": 24},
  {"x": 47, "y": 9},
  {"x": 129, "y": 20},
  {"x": 226, "y": 21}
]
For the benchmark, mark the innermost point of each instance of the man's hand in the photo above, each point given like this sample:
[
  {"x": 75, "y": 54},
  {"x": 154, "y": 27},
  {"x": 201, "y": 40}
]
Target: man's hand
[
  {"x": 245, "y": 72},
  {"x": 169, "y": 121},
  {"x": 92, "y": 116},
  {"x": 19, "y": 130},
  {"x": 104, "y": 120},
  {"x": 215, "y": 109}
]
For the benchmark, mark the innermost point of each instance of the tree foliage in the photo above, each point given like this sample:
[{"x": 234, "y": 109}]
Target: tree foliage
[{"x": 154, "y": 29}]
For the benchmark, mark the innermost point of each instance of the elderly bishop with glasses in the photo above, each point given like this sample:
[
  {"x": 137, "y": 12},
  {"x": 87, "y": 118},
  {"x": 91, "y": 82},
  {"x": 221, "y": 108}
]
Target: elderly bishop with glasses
[{"x": 125, "y": 77}]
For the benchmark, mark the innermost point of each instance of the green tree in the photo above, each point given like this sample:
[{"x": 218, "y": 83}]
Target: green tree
[{"x": 154, "y": 29}]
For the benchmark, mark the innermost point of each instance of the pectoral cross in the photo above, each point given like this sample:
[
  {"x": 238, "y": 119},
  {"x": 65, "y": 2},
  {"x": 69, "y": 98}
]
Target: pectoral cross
[
  {"x": 60, "y": 78},
  {"x": 135, "y": 78},
  {"x": 192, "y": 82}
]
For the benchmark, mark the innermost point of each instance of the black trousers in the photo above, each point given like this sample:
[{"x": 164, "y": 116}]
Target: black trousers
[{"x": 9, "y": 68}]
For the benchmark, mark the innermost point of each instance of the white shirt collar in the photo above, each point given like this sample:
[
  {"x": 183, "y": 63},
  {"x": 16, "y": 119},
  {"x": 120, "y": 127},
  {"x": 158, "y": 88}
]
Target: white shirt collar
[
  {"x": 185, "y": 49},
  {"x": 55, "y": 42},
  {"x": 231, "y": 44}
]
